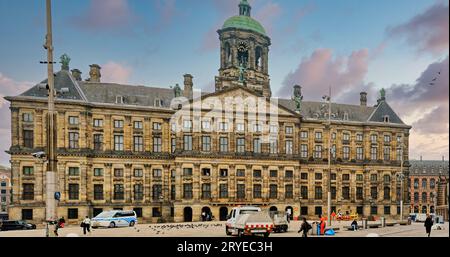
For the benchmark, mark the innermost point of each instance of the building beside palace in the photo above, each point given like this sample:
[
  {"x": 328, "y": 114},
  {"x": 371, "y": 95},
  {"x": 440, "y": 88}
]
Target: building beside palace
[
  {"x": 428, "y": 187},
  {"x": 118, "y": 147},
  {"x": 5, "y": 191}
]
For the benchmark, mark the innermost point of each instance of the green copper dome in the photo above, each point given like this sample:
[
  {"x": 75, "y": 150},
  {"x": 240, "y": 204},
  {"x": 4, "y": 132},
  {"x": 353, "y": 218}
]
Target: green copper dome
[{"x": 244, "y": 22}]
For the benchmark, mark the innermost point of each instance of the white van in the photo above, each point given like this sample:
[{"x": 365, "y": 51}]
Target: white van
[{"x": 112, "y": 219}]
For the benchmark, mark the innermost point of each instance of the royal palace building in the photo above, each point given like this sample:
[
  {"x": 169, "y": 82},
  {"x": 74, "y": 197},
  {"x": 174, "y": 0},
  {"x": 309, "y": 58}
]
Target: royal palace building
[{"x": 172, "y": 153}]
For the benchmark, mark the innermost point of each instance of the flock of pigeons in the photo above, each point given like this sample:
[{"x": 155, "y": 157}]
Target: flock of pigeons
[{"x": 162, "y": 229}]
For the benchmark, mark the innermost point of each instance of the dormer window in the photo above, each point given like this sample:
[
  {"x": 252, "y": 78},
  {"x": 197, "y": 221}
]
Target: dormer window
[
  {"x": 158, "y": 102},
  {"x": 119, "y": 99},
  {"x": 386, "y": 119},
  {"x": 345, "y": 116}
]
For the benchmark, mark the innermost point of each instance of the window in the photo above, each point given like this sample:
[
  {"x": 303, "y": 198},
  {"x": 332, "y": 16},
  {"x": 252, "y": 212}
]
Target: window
[
  {"x": 289, "y": 192},
  {"x": 156, "y": 212},
  {"x": 188, "y": 143},
  {"x": 257, "y": 173},
  {"x": 3, "y": 184},
  {"x": 346, "y": 137},
  {"x": 273, "y": 145},
  {"x": 373, "y": 210},
  {"x": 318, "y": 151},
  {"x": 387, "y": 153},
  {"x": 373, "y": 153},
  {"x": 157, "y": 144},
  {"x": 98, "y": 142},
  {"x": 416, "y": 183},
  {"x": 72, "y": 213},
  {"x": 304, "y": 151},
  {"x": 387, "y": 210},
  {"x": 345, "y": 177},
  {"x": 187, "y": 172},
  {"x": 304, "y": 210},
  {"x": 74, "y": 190},
  {"x": 173, "y": 144},
  {"x": 27, "y": 191},
  {"x": 387, "y": 138},
  {"x": 118, "y": 172},
  {"x": 373, "y": 139},
  {"x": 386, "y": 118},
  {"x": 273, "y": 129},
  {"x": 138, "y": 212},
  {"x": 98, "y": 123},
  {"x": 206, "y": 125},
  {"x": 257, "y": 145},
  {"x": 138, "y": 192},
  {"x": 346, "y": 193},
  {"x": 118, "y": 123},
  {"x": 374, "y": 193},
  {"x": 98, "y": 192},
  {"x": 223, "y": 173},
  {"x": 387, "y": 193},
  {"x": 27, "y": 214},
  {"x": 223, "y": 144},
  {"x": 289, "y": 130},
  {"x": 289, "y": 174},
  {"x": 273, "y": 191},
  {"x": 240, "y": 145},
  {"x": 359, "y": 137},
  {"x": 156, "y": 192},
  {"x": 173, "y": 192},
  {"x": 318, "y": 176},
  {"x": 432, "y": 183},
  {"x": 257, "y": 127},
  {"x": 289, "y": 149},
  {"x": 206, "y": 191},
  {"x": 318, "y": 210},
  {"x": 241, "y": 191},
  {"x": 206, "y": 143},
  {"x": 359, "y": 193},
  {"x": 158, "y": 102},
  {"x": 138, "y": 172},
  {"x": 27, "y": 117},
  {"x": 73, "y": 140},
  {"x": 416, "y": 197},
  {"x": 373, "y": 177},
  {"x": 138, "y": 143},
  {"x": 304, "y": 176},
  {"x": 240, "y": 173},
  {"x": 304, "y": 134},
  {"x": 223, "y": 191},
  {"x": 359, "y": 153},
  {"x": 273, "y": 173},
  {"x": 187, "y": 125},
  {"x": 346, "y": 152},
  {"x": 27, "y": 171},
  {"x": 257, "y": 191},
  {"x": 157, "y": 173},
  {"x": 118, "y": 142},
  {"x": 333, "y": 151},
  {"x": 73, "y": 120},
  {"x": 318, "y": 193},
  {"x": 240, "y": 127},
  {"x": 157, "y": 126},
  {"x": 333, "y": 135},
  {"x": 187, "y": 191},
  {"x": 333, "y": 193},
  {"x": 424, "y": 183},
  {"x": 304, "y": 192},
  {"x": 333, "y": 177},
  {"x": 387, "y": 178},
  {"x": 206, "y": 172},
  {"x": 223, "y": 126},
  {"x": 359, "y": 177},
  {"x": 28, "y": 138},
  {"x": 319, "y": 135},
  {"x": 74, "y": 171}
]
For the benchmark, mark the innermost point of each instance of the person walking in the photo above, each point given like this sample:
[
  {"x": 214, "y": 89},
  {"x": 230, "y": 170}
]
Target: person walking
[
  {"x": 305, "y": 227},
  {"x": 86, "y": 225},
  {"x": 428, "y": 224},
  {"x": 322, "y": 224},
  {"x": 59, "y": 224}
]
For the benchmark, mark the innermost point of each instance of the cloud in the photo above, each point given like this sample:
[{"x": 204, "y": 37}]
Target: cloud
[
  {"x": 322, "y": 69},
  {"x": 427, "y": 31},
  {"x": 8, "y": 87},
  {"x": 105, "y": 15},
  {"x": 115, "y": 73}
]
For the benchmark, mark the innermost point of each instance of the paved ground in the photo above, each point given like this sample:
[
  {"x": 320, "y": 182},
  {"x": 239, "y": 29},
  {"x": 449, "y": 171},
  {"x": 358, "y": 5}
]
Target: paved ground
[{"x": 217, "y": 229}]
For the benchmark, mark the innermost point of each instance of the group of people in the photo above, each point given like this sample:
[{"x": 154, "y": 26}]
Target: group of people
[
  {"x": 85, "y": 224},
  {"x": 305, "y": 227}
]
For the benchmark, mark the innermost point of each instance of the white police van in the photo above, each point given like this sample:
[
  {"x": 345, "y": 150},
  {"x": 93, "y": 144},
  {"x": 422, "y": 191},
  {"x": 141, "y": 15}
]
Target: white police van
[{"x": 115, "y": 218}]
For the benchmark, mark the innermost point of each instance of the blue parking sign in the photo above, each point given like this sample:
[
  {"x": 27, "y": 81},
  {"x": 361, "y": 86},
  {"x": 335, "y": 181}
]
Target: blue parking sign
[{"x": 57, "y": 195}]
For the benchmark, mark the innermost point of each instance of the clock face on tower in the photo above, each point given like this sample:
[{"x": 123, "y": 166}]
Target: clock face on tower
[{"x": 243, "y": 46}]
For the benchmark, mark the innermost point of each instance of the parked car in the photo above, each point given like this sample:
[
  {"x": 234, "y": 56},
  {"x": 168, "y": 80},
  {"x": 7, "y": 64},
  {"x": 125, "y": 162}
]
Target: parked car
[
  {"x": 16, "y": 225},
  {"x": 114, "y": 219}
]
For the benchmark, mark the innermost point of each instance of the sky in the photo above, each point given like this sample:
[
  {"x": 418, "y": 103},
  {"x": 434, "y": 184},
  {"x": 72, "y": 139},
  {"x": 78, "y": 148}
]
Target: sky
[{"x": 352, "y": 45}]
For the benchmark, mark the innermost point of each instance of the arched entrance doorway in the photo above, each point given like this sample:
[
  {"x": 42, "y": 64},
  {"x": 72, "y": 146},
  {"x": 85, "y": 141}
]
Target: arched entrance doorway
[
  {"x": 187, "y": 214},
  {"x": 290, "y": 210},
  {"x": 223, "y": 213},
  {"x": 273, "y": 208},
  {"x": 206, "y": 214}
]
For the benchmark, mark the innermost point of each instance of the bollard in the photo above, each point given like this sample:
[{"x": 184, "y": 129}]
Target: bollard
[
  {"x": 364, "y": 222},
  {"x": 383, "y": 222}
]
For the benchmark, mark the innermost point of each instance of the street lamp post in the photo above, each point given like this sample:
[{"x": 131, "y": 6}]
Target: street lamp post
[
  {"x": 401, "y": 177},
  {"x": 328, "y": 98}
]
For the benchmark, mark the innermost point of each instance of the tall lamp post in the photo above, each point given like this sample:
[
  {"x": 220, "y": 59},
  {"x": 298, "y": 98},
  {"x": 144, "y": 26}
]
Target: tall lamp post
[
  {"x": 401, "y": 177},
  {"x": 328, "y": 99}
]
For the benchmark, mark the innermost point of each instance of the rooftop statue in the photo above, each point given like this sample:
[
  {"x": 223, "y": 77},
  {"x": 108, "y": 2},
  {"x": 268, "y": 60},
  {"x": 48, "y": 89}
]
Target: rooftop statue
[
  {"x": 177, "y": 90},
  {"x": 64, "y": 60},
  {"x": 298, "y": 98}
]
